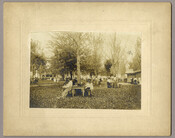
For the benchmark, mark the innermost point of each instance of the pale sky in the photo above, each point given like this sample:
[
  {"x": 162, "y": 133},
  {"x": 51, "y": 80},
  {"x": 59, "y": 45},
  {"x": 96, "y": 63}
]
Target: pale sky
[
  {"x": 128, "y": 41},
  {"x": 43, "y": 38}
]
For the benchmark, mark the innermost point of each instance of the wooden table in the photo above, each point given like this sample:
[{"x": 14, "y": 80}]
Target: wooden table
[{"x": 74, "y": 88}]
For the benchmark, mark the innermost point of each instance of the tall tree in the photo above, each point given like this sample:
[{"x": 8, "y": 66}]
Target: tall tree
[
  {"x": 136, "y": 62},
  {"x": 69, "y": 49},
  {"x": 108, "y": 65},
  {"x": 118, "y": 56},
  {"x": 93, "y": 59},
  {"x": 38, "y": 60},
  {"x": 115, "y": 54},
  {"x": 97, "y": 42}
]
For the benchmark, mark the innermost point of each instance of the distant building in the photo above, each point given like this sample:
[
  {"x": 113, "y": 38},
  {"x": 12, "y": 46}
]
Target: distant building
[{"x": 133, "y": 74}]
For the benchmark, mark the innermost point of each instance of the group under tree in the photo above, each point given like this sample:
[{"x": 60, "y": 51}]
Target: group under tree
[{"x": 75, "y": 51}]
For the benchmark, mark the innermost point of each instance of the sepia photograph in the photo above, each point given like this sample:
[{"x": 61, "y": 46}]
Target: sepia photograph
[{"x": 85, "y": 70}]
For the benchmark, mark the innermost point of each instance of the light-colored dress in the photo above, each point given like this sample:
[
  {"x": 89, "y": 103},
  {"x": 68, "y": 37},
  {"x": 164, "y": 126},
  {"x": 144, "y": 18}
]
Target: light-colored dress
[
  {"x": 89, "y": 85},
  {"x": 67, "y": 87}
]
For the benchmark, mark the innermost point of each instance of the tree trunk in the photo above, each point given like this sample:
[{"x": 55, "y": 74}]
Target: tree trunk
[
  {"x": 71, "y": 75},
  {"x": 78, "y": 67},
  {"x": 63, "y": 76}
]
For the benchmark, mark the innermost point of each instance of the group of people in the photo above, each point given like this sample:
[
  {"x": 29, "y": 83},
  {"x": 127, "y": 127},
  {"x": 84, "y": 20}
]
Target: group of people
[
  {"x": 112, "y": 82},
  {"x": 89, "y": 83},
  {"x": 70, "y": 83},
  {"x": 135, "y": 81}
]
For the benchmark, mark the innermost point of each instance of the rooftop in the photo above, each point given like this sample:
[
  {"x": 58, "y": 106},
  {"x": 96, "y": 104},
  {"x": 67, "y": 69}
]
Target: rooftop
[{"x": 130, "y": 71}]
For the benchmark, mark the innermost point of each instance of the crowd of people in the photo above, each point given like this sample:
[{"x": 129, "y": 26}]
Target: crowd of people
[{"x": 89, "y": 83}]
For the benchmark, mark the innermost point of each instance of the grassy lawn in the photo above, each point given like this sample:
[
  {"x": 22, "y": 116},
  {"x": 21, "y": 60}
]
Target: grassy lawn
[{"x": 126, "y": 97}]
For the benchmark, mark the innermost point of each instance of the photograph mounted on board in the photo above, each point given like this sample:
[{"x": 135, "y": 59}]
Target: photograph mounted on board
[{"x": 85, "y": 70}]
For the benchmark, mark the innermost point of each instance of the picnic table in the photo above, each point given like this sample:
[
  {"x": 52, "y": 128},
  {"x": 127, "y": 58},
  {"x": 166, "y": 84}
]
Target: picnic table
[{"x": 74, "y": 88}]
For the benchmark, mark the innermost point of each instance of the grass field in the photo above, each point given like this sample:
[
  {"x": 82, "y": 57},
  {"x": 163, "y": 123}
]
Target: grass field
[{"x": 126, "y": 97}]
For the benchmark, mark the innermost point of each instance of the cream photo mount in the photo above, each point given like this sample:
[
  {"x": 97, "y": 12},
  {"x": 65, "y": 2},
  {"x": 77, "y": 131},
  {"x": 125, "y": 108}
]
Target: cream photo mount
[{"x": 21, "y": 19}]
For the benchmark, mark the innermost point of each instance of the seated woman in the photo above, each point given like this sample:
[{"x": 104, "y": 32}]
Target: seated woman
[
  {"x": 89, "y": 87},
  {"x": 67, "y": 87}
]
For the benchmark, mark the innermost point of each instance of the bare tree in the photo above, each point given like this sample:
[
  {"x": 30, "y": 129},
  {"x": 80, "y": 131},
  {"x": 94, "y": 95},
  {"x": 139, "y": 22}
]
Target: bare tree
[
  {"x": 118, "y": 56},
  {"x": 115, "y": 54},
  {"x": 136, "y": 62}
]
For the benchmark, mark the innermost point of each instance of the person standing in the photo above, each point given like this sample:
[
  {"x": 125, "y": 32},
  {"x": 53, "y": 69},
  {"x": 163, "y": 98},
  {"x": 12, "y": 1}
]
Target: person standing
[{"x": 109, "y": 83}]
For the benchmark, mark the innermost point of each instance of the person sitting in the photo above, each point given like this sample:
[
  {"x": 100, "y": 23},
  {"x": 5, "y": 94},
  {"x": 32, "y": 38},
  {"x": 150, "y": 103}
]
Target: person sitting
[
  {"x": 67, "y": 87},
  {"x": 89, "y": 87}
]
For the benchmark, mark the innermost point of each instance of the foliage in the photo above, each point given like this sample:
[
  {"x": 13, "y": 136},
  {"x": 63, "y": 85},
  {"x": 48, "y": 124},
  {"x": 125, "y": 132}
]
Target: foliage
[
  {"x": 108, "y": 65},
  {"x": 136, "y": 62},
  {"x": 68, "y": 46},
  {"x": 38, "y": 61}
]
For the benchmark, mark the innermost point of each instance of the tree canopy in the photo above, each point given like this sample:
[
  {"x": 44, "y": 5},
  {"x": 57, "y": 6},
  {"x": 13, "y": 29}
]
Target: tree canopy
[
  {"x": 89, "y": 53},
  {"x": 136, "y": 62},
  {"x": 37, "y": 61},
  {"x": 68, "y": 46}
]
